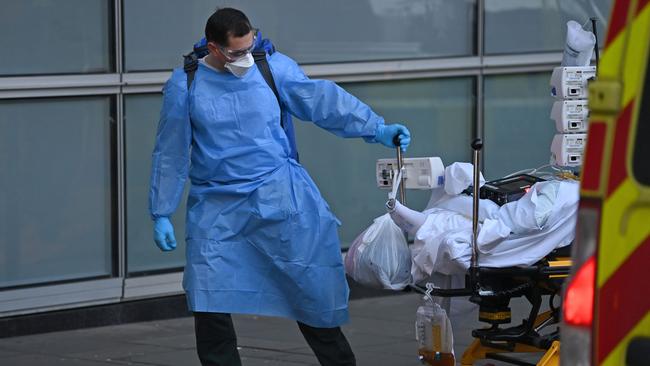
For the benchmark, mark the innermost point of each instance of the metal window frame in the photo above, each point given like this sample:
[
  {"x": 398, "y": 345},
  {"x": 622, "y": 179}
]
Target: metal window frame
[
  {"x": 85, "y": 293},
  {"x": 56, "y": 297},
  {"x": 120, "y": 156},
  {"x": 121, "y": 83},
  {"x": 149, "y": 82},
  {"x": 153, "y": 285},
  {"x": 58, "y": 85},
  {"x": 480, "y": 50}
]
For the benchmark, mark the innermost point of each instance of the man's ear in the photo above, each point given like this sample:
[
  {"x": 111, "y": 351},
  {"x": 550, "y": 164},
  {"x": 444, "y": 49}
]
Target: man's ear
[{"x": 213, "y": 48}]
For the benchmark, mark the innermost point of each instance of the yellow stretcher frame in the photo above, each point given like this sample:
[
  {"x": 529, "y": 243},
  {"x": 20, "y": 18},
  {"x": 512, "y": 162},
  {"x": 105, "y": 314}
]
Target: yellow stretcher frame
[
  {"x": 477, "y": 351},
  {"x": 549, "y": 270}
]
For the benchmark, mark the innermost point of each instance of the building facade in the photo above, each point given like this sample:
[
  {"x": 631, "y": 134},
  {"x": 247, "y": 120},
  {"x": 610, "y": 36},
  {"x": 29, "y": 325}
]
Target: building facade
[{"x": 80, "y": 84}]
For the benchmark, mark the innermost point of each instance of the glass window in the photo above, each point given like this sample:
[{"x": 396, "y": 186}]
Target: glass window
[
  {"x": 518, "y": 130},
  {"x": 56, "y": 201},
  {"x": 55, "y": 37},
  {"x": 309, "y": 31},
  {"x": 439, "y": 114},
  {"x": 141, "y": 122},
  {"x": 640, "y": 166},
  {"x": 515, "y": 26}
]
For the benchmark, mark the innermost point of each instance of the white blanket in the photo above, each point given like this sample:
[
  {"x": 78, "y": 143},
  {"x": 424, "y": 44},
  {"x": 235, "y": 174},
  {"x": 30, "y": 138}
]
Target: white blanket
[{"x": 518, "y": 233}]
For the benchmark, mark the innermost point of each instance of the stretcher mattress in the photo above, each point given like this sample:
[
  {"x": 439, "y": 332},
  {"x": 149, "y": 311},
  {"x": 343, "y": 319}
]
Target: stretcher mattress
[{"x": 518, "y": 233}]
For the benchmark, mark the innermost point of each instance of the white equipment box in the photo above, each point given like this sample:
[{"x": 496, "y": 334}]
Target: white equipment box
[
  {"x": 570, "y": 115},
  {"x": 418, "y": 173},
  {"x": 567, "y": 149},
  {"x": 570, "y": 82}
]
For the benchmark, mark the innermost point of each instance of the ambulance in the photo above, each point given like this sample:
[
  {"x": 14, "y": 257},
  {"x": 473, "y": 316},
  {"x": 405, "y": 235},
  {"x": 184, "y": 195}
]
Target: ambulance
[{"x": 606, "y": 307}]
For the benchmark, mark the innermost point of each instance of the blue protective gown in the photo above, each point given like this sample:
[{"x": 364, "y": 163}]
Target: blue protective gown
[{"x": 260, "y": 238}]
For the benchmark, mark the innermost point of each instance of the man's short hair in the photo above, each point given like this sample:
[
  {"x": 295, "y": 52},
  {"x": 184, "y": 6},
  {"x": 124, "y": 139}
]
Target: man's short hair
[{"x": 224, "y": 23}]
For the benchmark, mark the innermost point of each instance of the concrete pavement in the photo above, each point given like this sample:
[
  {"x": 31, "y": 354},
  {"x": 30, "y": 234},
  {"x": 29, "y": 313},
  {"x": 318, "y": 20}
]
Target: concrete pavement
[{"x": 381, "y": 332}]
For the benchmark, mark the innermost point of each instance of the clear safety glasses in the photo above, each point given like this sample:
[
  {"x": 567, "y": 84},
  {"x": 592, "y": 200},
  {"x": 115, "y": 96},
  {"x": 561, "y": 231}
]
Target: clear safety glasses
[{"x": 235, "y": 54}]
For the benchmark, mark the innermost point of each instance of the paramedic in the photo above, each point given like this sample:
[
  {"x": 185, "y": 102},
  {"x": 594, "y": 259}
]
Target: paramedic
[{"x": 260, "y": 238}]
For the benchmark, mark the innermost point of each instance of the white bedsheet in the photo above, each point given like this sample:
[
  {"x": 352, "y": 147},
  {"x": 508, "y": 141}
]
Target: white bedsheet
[{"x": 519, "y": 233}]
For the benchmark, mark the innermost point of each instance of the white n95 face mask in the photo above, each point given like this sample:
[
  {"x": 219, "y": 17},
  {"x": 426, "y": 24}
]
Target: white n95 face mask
[{"x": 240, "y": 66}]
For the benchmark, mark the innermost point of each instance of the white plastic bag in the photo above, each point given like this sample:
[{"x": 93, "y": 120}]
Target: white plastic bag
[
  {"x": 379, "y": 257},
  {"x": 579, "y": 46}
]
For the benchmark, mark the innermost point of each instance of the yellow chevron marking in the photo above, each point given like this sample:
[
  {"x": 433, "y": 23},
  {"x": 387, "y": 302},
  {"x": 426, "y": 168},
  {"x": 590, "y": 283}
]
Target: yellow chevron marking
[
  {"x": 617, "y": 356},
  {"x": 624, "y": 226},
  {"x": 610, "y": 62},
  {"x": 638, "y": 36}
]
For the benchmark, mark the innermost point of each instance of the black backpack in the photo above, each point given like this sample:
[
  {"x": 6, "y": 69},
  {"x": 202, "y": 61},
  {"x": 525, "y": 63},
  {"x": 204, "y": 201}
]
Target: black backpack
[{"x": 200, "y": 50}]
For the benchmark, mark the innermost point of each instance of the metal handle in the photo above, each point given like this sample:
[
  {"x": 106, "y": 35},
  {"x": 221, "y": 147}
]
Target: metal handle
[
  {"x": 400, "y": 164},
  {"x": 593, "y": 28},
  {"x": 477, "y": 145}
]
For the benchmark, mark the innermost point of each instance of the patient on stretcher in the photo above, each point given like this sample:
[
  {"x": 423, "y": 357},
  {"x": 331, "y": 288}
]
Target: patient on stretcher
[{"x": 518, "y": 233}]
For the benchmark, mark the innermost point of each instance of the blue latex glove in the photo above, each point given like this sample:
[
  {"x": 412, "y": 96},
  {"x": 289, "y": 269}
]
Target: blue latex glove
[
  {"x": 163, "y": 234},
  {"x": 386, "y": 134}
]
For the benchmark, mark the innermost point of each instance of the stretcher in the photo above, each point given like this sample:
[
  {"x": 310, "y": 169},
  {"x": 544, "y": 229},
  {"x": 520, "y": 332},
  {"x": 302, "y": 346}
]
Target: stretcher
[{"x": 492, "y": 290}]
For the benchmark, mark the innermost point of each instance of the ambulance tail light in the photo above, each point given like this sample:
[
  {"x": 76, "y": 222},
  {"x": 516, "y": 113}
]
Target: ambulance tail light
[
  {"x": 578, "y": 307},
  {"x": 579, "y": 299}
]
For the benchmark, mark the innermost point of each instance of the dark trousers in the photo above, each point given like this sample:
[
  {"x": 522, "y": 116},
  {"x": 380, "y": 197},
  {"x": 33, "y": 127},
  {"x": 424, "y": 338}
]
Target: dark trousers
[{"x": 216, "y": 342}]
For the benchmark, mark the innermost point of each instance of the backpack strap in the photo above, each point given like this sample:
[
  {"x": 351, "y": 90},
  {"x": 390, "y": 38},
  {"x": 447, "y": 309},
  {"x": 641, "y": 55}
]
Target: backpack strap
[
  {"x": 190, "y": 64},
  {"x": 265, "y": 70},
  {"x": 191, "y": 61}
]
